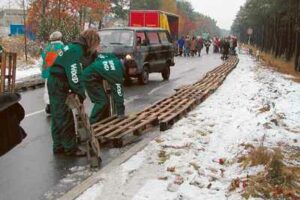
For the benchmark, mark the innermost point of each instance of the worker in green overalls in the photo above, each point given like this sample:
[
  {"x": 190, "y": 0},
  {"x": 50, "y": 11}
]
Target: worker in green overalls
[
  {"x": 49, "y": 55},
  {"x": 106, "y": 67},
  {"x": 65, "y": 79}
]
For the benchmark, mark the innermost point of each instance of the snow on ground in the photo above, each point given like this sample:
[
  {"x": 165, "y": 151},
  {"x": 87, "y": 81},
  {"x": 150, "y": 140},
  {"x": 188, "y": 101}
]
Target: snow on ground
[
  {"x": 196, "y": 159},
  {"x": 27, "y": 70},
  {"x": 74, "y": 176}
]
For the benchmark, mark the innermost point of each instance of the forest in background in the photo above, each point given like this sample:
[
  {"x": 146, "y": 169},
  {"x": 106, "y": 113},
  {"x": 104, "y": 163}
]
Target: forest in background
[
  {"x": 275, "y": 25},
  {"x": 70, "y": 16}
]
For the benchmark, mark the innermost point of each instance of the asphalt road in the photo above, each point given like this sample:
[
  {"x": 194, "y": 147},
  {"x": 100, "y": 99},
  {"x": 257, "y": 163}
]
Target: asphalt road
[{"x": 30, "y": 171}]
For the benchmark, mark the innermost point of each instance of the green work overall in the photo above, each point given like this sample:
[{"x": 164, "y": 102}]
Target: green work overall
[
  {"x": 65, "y": 76},
  {"x": 106, "y": 67}
]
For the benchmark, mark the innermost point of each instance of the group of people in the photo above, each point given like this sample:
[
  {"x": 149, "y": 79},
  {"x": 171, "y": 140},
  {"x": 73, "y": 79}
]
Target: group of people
[
  {"x": 76, "y": 69},
  {"x": 192, "y": 46}
]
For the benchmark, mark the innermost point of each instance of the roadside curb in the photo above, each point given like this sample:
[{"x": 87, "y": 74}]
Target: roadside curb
[{"x": 30, "y": 82}]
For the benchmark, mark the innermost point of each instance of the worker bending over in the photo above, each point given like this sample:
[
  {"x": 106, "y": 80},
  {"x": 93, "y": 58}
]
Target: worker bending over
[{"x": 106, "y": 67}]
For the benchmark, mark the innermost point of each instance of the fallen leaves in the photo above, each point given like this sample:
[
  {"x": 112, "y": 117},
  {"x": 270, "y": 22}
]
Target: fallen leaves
[
  {"x": 235, "y": 183},
  {"x": 221, "y": 161},
  {"x": 265, "y": 108},
  {"x": 178, "y": 180},
  {"x": 277, "y": 180},
  {"x": 163, "y": 157},
  {"x": 171, "y": 169}
]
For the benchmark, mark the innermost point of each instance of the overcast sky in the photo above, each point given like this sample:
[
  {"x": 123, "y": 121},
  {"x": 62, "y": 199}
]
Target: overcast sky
[{"x": 223, "y": 11}]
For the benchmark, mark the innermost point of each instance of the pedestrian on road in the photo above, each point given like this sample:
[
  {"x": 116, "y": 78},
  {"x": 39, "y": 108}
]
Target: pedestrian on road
[
  {"x": 106, "y": 67},
  {"x": 48, "y": 56},
  {"x": 199, "y": 45},
  {"x": 193, "y": 46},
  {"x": 225, "y": 48},
  {"x": 207, "y": 45},
  {"x": 65, "y": 79},
  {"x": 187, "y": 46},
  {"x": 180, "y": 44}
]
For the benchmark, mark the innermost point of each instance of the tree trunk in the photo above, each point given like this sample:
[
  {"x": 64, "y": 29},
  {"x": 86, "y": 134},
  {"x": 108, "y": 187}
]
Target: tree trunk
[
  {"x": 43, "y": 20},
  {"x": 297, "y": 31},
  {"x": 83, "y": 18},
  {"x": 80, "y": 18},
  {"x": 25, "y": 37},
  {"x": 90, "y": 22},
  {"x": 59, "y": 15},
  {"x": 100, "y": 24}
]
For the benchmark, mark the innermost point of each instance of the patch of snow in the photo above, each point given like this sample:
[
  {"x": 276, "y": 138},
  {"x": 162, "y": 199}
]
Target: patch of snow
[
  {"x": 93, "y": 193},
  {"x": 74, "y": 177},
  {"x": 77, "y": 168},
  {"x": 132, "y": 165},
  {"x": 153, "y": 190},
  {"x": 28, "y": 71}
]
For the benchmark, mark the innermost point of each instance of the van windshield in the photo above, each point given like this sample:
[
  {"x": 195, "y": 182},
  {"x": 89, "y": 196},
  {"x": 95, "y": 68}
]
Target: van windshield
[{"x": 116, "y": 37}]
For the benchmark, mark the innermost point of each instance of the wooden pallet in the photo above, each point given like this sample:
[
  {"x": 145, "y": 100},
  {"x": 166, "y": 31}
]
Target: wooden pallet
[
  {"x": 8, "y": 66},
  {"x": 167, "y": 119},
  {"x": 113, "y": 129}
]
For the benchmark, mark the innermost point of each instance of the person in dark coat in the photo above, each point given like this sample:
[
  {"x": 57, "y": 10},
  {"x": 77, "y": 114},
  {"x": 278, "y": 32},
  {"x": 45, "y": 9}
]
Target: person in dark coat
[
  {"x": 225, "y": 48},
  {"x": 11, "y": 115},
  {"x": 180, "y": 44},
  {"x": 199, "y": 45},
  {"x": 207, "y": 45}
]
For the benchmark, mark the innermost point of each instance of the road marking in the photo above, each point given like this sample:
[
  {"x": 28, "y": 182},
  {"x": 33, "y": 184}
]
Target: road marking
[
  {"x": 155, "y": 89},
  {"x": 34, "y": 113}
]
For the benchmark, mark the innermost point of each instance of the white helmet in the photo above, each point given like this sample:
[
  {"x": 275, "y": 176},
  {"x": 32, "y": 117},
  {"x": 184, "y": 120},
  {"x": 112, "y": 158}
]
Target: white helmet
[{"x": 56, "y": 35}]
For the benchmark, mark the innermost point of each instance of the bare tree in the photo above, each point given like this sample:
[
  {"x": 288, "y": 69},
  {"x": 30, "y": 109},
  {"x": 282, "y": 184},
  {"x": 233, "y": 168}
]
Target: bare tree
[{"x": 24, "y": 19}]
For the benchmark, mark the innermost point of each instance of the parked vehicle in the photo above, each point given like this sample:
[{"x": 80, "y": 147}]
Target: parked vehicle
[{"x": 143, "y": 50}]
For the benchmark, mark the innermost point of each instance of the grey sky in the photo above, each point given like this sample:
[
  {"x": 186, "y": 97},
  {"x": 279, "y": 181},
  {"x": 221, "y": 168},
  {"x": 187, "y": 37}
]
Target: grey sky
[
  {"x": 223, "y": 11},
  {"x": 7, "y": 3}
]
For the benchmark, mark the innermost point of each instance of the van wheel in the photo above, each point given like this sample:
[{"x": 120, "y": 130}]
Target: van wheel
[
  {"x": 166, "y": 73},
  {"x": 144, "y": 76}
]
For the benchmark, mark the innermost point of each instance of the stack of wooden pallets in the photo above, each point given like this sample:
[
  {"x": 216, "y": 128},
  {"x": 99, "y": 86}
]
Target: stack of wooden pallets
[{"x": 165, "y": 112}]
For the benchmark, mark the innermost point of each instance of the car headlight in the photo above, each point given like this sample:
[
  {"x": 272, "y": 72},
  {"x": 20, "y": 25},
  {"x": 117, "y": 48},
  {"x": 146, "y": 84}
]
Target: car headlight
[{"x": 128, "y": 57}]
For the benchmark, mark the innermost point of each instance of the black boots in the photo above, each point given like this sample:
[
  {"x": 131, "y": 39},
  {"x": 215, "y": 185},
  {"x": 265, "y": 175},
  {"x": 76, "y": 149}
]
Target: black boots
[{"x": 47, "y": 109}]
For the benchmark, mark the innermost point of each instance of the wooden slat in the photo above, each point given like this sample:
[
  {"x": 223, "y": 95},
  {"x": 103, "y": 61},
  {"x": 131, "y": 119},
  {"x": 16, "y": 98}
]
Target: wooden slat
[
  {"x": 112, "y": 127},
  {"x": 181, "y": 110},
  {"x": 136, "y": 128},
  {"x": 125, "y": 127}
]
